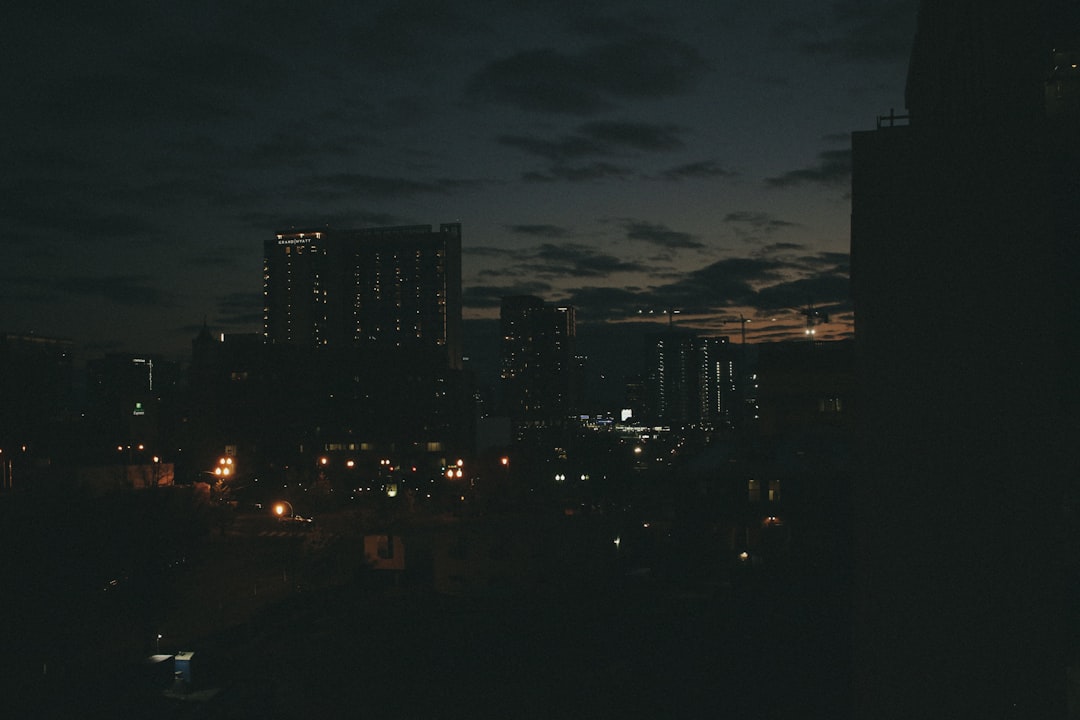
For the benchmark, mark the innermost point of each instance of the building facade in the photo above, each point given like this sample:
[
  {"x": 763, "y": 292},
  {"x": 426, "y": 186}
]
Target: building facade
[
  {"x": 539, "y": 367},
  {"x": 691, "y": 380},
  {"x": 964, "y": 235},
  {"x": 360, "y": 355},
  {"x": 375, "y": 288},
  {"x": 36, "y": 398}
]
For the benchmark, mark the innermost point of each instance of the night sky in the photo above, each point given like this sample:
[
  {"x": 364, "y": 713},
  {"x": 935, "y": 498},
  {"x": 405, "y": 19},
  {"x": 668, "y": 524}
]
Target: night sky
[{"x": 625, "y": 157}]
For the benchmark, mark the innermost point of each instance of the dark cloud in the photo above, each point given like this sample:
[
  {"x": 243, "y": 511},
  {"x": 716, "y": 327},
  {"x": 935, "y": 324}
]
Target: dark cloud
[
  {"x": 584, "y": 83},
  {"x": 710, "y": 289},
  {"x": 758, "y": 221},
  {"x": 358, "y": 184},
  {"x": 781, "y": 247},
  {"x": 300, "y": 143},
  {"x": 608, "y": 303},
  {"x": 827, "y": 288},
  {"x": 195, "y": 81},
  {"x": 490, "y": 296},
  {"x": 489, "y": 251},
  {"x": 639, "y": 136},
  {"x": 723, "y": 283},
  {"x": 835, "y": 261},
  {"x": 241, "y": 309},
  {"x": 833, "y": 168},
  {"x": 856, "y": 31},
  {"x": 661, "y": 235},
  {"x": 128, "y": 290},
  {"x": 35, "y": 206},
  {"x": 576, "y": 260},
  {"x": 219, "y": 258},
  {"x": 580, "y": 173},
  {"x": 758, "y": 286},
  {"x": 566, "y": 148},
  {"x": 265, "y": 222},
  {"x": 696, "y": 170},
  {"x": 598, "y": 140},
  {"x": 546, "y": 231},
  {"x": 413, "y": 34},
  {"x": 555, "y": 260}
]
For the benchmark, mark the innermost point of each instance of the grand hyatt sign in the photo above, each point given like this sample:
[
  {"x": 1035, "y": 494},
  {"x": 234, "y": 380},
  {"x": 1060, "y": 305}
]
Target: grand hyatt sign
[{"x": 298, "y": 239}]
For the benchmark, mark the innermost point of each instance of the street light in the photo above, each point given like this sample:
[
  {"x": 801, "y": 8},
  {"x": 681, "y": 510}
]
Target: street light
[{"x": 224, "y": 467}]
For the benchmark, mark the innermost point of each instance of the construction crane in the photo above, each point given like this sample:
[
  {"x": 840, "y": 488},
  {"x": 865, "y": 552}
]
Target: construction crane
[{"x": 742, "y": 321}]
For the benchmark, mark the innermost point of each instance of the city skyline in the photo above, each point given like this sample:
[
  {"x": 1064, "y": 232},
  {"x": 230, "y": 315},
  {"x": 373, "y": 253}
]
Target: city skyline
[{"x": 626, "y": 159}]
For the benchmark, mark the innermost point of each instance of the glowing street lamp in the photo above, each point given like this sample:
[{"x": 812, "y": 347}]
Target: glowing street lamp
[
  {"x": 281, "y": 507},
  {"x": 224, "y": 467}
]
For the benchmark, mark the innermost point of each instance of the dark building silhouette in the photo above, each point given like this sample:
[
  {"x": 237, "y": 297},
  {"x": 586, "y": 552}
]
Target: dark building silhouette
[
  {"x": 539, "y": 367},
  {"x": 360, "y": 360},
  {"x": 965, "y": 235},
  {"x": 803, "y": 386},
  {"x": 36, "y": 401},
  {"x": 130, "y": 405}
]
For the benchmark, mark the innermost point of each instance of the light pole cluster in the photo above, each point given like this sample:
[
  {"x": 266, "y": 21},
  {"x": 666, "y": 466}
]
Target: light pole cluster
[{"x": 225, "y": 468}]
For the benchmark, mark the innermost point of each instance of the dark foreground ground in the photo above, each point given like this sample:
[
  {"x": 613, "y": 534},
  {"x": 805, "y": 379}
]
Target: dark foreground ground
[{"x": 570, "y": 628}]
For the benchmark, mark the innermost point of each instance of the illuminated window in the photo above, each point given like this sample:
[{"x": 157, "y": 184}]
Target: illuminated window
[
  {"x": 774, "y": 491},
  {"x": 754, "y": 490},
  {"x": 830, "y": 405}
]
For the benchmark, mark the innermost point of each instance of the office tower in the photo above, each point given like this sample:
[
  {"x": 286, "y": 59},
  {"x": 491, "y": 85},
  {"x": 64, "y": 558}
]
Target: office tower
[
  {"x": 964, "y": 236},
  {"x": 538, "y": 362},
  {"x": 390, "y": 288},
  {"x": 298, "y": 272},
  {"x": 691, "y": 380},
  {"x": 363, "y": 333},
  {"x": 674, "y": 378},
  {"x": 719, "y": 383}
]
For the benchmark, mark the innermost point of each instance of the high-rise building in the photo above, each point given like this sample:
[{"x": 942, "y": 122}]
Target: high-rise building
[
  {"x": 964, "y": 233},
  {"x": 719, "y": 383},
  {"x": 674, "y": 378},
  {"x": 363, "y": 332},
  {"x": 374, "y": 288},
  {"x": 538, "y": 361},
  {"x": 691, "y": 380}
]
